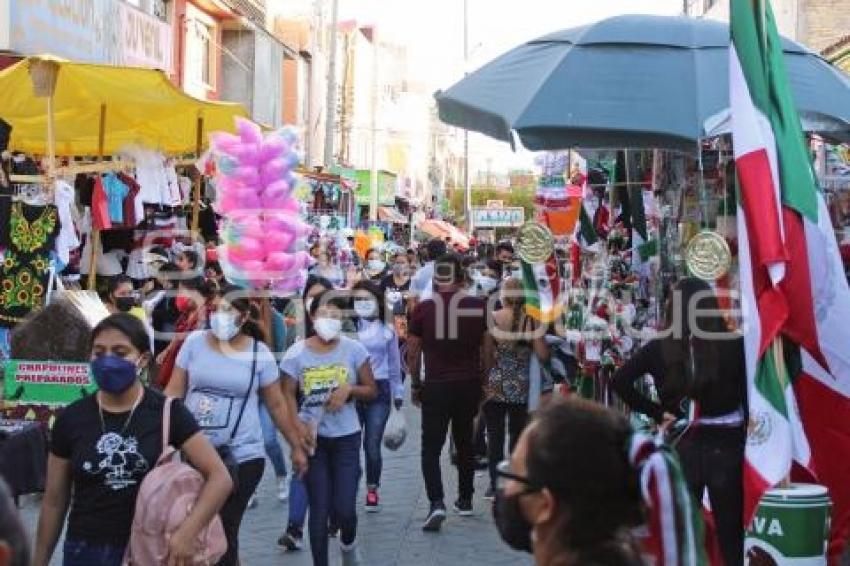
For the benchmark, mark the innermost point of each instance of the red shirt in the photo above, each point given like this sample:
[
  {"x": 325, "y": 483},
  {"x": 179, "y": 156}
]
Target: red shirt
[{"x": 451, "y": 327}]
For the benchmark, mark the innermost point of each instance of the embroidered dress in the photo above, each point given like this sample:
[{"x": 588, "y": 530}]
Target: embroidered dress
[
  {"x": 509, "y": 378},
  {"x": 24, "y": 272}
]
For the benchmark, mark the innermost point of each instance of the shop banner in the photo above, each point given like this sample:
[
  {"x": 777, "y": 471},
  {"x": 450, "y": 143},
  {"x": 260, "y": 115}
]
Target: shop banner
[
  {"x": 46, "y": 383},
  {"x": 510, "y": 217},
  {"x": 111, "y": 32}
]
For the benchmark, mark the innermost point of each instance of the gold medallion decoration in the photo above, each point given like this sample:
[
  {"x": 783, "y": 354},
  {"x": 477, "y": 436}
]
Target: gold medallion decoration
[
  {"x": 708, "y": 256},
  {"x": 535, "y": 242}
]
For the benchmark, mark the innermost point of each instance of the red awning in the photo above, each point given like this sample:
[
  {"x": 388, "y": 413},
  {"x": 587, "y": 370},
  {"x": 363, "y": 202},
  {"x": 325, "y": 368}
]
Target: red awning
[
  {"x": 389, "y": 214},
  {"x": 442, "y": 229}
]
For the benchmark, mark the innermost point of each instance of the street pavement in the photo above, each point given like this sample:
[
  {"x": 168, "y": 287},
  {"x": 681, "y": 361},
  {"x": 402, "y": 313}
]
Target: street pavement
[{"x": 391, "y": 537}]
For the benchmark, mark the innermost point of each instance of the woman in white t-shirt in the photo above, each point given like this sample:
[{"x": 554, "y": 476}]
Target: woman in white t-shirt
[
  {"x": 221, "y": 372},
  {"x": 332, "y": 372}
]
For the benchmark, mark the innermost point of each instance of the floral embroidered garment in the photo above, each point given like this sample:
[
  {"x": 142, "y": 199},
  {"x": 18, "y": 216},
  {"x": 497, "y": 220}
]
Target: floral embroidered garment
[{"x": 25, "y": 269}]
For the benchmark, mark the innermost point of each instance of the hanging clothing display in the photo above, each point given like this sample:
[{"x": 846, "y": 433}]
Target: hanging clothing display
[
  {"x": 24, "y": 273},
  {"x": 63, "y": 198}
]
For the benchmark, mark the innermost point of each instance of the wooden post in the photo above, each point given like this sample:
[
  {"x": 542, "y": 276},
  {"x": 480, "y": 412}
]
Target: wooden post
[
  {"x": 196, "y": 190},
  {"x": 44, "y": 73},
  {"x": 95, "y": 234}
]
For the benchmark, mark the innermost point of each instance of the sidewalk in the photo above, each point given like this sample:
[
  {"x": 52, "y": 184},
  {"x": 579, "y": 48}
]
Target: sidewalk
[{"x": 391, "y": 537}]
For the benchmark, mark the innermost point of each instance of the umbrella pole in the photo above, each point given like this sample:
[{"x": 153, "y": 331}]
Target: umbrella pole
[
  {"x": 95, "y": 234},
  {"x": 196, "y": 190}
]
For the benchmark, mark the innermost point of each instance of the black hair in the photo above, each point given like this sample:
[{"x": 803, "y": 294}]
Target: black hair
[
  {"x": 199, "y": 284},
  {"x": 312, "y": 281},
  {"x": 598, "y": 494},
  {"x": 504, "y": 246},
  {"x": 449, "y": 266},
  {"x": 375, "y": 291},
  {"x": 237, "y": 297},
  {"x": 12, "y": 529},
  {"x": 129, "y": 326},
  {"x": 495, "y": 265},
  {"x": 435, "y": 248},
  {"x": 192, "y": 256},
  {"x": 214, "y": 266},
  {"x": 328, "y": 298},
  {"x": 168, "y": 267},
  {"x": 116, "y": 281}
]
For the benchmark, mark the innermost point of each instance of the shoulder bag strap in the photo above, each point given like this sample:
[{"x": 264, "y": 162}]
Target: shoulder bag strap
[
  {"x": 247, "y": 393},
  {"x": 166, "y": 426}
]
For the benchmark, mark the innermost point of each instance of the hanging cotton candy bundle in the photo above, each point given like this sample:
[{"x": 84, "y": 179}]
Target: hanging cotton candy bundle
[{"x": 263, "y": 229}]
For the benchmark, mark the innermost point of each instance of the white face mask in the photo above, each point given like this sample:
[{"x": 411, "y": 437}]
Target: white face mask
[
  {"x": 375, "y": 265},
  {"x": 365, "y": 308},
  {"x": 488, "y": 284},
  {"x": 223, "y": 325},
  {"x": 328, "y": 329}
]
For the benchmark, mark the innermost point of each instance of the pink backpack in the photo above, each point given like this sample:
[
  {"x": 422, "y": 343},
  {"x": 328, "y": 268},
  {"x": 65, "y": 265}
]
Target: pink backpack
[{"x": 165, "y": 499}]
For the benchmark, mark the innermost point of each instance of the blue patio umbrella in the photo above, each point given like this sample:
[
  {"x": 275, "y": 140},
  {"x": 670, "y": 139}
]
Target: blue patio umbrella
[{"x": 630, "y": 81}]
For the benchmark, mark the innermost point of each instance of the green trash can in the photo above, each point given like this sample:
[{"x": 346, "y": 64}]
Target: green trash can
[{"x": 790, "y": 527}]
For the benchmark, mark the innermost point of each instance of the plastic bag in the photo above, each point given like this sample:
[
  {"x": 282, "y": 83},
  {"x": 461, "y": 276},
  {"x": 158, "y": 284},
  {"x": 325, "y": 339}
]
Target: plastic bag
[{"x": 395, "y": 432}]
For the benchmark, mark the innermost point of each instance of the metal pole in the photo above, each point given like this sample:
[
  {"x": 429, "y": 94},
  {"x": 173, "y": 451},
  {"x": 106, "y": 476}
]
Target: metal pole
[
  {"x": 373, "y": 175},
  {"x": 466, "y": 181},
  {"x": 196, "y": 190},
  {"x": 95, "y": 233},
  {"x": 330, "y": 103}
]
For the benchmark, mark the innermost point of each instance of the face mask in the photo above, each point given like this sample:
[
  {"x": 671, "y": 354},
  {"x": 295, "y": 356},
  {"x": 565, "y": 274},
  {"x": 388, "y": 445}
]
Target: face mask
[
  {"x": 365, "y": 308},
  {"x": 223, "y": 325},
  {"x": 488, "y": 284},
  {"x": 328, "y": 329},
  {"x": 183, "y": 304},
  {"x": 114, "y": 374},
  {"x": 399, "y": 268},
  {"x": 124, "y": 304},
  {"x": 375, "y": 265},
  {"x": 513, "y": 527}
]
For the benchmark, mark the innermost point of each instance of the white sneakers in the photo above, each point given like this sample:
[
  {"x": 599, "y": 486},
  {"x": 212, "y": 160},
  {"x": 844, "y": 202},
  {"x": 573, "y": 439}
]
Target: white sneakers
[
  {"x": 283, "y": 488},
  {"x": 351, "y": 555}
]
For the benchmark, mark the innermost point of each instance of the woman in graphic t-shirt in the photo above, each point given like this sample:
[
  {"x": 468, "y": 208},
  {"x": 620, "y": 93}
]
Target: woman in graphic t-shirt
[
  {"x": 331, "y": 372},
  {"x": 221, "y": 372},
  {"x": 104, "y": 445}
]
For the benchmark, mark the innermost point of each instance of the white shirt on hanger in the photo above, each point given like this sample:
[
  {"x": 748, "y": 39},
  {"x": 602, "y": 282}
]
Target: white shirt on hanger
[{"x": 67, "y": 240}]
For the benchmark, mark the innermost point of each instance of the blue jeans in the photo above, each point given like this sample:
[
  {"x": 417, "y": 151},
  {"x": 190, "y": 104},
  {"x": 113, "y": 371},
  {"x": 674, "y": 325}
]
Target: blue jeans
[
  {"x": 373, "y": 419},
  {"x": 297, "y": 502},
  {"x": 77, "y": 552},
  {"x": 273, "y": 449},
  {"x": 332, "y": 479}
]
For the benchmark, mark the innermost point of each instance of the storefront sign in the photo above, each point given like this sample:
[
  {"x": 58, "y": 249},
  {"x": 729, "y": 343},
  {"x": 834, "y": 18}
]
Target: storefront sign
[
  {"x": 95, "y": 31},
  {"x": 46, "y": 383},
  {"x": 510, "y": 217}
]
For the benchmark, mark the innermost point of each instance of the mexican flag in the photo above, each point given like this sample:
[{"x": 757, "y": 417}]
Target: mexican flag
[
  {"x": 542, "y": 286},
  {"x": 792, "y": 282}
]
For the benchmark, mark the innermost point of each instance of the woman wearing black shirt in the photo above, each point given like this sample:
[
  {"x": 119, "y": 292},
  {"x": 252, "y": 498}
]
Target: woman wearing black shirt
[
  {"x": 699, "y": 361},
  {"x": 103, "y": 446}
]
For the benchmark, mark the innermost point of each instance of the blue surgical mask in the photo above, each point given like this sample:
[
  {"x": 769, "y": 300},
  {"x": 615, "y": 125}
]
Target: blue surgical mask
[{"x": 114, "y": 374}]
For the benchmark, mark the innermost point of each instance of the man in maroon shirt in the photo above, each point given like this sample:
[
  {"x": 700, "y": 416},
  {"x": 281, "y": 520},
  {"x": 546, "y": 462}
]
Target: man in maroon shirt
[{"x": 448, "y": 329}]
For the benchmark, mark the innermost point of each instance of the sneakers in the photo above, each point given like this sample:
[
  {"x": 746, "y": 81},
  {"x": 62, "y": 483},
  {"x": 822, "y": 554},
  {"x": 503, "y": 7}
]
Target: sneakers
[
  {"x": 283, "y": 488},
  {"x": 490, "y": 494},
  {"x": 435, "y": 517},
  {"x": 333, "y": 529},
  {"x": 292, "y": 539},
  {"x": 372, "y": 504},
  {"x": 351, "y": 554},
  {"x": 253, "y": 502},
  {"x": 463, "y": 507}
]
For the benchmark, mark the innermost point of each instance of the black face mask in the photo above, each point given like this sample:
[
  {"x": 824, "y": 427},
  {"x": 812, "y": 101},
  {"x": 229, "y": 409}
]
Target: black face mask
[
  {"x": 124, "y": 304},
  {"x": 513, "y": 527}
]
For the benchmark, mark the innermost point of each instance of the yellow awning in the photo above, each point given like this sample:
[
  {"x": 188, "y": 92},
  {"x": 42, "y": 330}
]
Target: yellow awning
[{"x": 142, "y": 107}]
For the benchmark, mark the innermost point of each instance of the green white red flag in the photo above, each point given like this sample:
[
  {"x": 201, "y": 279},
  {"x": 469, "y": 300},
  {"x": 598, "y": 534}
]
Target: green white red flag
[
  {"x": 542, "y": 287},
  {"x": 792, "y": 281}
]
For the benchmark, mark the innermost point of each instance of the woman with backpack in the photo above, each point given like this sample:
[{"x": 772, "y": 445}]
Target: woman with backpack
[
  {"x": 699, "y": 359},
  {"x": 223, "y": 372},
  {"x": 102, "y": 447}
]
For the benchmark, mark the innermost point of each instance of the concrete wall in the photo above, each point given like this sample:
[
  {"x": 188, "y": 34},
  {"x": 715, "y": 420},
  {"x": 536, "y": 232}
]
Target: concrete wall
[
  {"x": 268, "y": 81},
  {"x": 824, "y": 22},
  {"x": 237, "y": 84}
]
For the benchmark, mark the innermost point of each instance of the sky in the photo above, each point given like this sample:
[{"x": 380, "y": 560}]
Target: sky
[{"x": 432, "y": 30}]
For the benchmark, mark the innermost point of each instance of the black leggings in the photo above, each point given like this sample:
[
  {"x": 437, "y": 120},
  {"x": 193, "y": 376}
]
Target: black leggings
[
  {"x": 495, "y": 414},
  {"x": 250, "y": 473},
  {"x": 712, "y": 458}
]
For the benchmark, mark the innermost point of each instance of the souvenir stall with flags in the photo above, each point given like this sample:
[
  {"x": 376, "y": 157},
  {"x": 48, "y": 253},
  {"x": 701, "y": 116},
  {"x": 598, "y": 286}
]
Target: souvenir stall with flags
[{"x": 664, "y": 207}]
